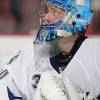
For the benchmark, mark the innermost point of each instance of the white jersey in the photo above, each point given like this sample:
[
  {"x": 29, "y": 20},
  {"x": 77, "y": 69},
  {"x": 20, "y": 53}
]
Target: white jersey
[{"x": 24, "y": 73}]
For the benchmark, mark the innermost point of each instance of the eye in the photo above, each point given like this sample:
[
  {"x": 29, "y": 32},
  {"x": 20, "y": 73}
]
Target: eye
[{"x": 44, "y": 8}]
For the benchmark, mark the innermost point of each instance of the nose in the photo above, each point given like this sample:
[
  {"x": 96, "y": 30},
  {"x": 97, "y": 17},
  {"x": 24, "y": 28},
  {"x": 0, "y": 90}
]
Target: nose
[{"x": 51, "y": 18}]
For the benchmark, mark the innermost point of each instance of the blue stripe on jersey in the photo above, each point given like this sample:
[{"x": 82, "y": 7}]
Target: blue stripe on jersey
[{"x": 11, "y": 95}]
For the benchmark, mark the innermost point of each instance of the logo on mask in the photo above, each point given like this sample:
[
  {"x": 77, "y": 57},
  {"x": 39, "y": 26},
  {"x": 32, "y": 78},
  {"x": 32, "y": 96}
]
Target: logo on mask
[{"x": 35, "y": 78}]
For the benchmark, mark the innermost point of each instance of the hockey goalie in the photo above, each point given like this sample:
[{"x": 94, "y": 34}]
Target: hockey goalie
[{"x": 63, "y": 63}]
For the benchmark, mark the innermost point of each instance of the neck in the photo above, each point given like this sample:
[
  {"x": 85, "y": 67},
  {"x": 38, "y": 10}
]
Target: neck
[{"x": 66, "y": 44}]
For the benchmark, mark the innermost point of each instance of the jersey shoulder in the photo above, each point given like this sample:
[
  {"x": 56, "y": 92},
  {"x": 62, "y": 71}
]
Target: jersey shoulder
[
  {"x": 21, "y": 54},
  {"x": 91, "y": 42},
  {"x": 21, "y": 62},
  {"x": 93, "y": 39}
]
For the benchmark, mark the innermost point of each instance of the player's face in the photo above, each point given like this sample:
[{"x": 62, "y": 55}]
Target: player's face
[{"x": 52, "y": 14}]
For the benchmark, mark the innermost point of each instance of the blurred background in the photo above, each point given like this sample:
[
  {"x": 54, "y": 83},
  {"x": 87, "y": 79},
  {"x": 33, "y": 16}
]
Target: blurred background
[
  {"x": 19, "y": 16},
  {"x": 19, "y": 23}
]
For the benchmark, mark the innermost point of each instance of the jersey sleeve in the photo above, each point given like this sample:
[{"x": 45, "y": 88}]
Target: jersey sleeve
[
  {"x": 97, "y": 54},
  {"x": 3, "y": 92},
  {"x": 21, "y": 67}
]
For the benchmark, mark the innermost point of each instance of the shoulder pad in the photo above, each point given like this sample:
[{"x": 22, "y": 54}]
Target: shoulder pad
[{"x": 14, "y": 58}]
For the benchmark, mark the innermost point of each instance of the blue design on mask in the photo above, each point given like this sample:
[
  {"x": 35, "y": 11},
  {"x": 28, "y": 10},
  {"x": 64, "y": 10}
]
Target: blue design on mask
[{"x": 81, "y": 18}]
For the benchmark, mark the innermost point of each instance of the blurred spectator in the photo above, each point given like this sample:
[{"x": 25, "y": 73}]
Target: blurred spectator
[
  {"x": 96, "y": 22},
  {"x": 96, "y": 19},
  {"x": 6, "y": 18},
  {"x": 30, "y": 15},
  {"x": 19, "y": 15},
  {"x": 10, "y": 16},
  {"x": 16, "y": 12}
]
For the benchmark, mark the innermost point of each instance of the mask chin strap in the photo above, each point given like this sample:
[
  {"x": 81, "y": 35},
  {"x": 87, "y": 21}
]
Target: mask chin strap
[{"x": 37, "y": 36}]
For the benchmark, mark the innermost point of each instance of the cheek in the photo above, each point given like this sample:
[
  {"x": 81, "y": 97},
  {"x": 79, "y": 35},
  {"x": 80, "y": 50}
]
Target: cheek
[{"x": 53, "y": 18}]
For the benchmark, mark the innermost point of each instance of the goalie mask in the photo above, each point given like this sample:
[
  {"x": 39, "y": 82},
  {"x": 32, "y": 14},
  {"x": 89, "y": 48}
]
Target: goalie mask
[{"x": 72, "y": 17}]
